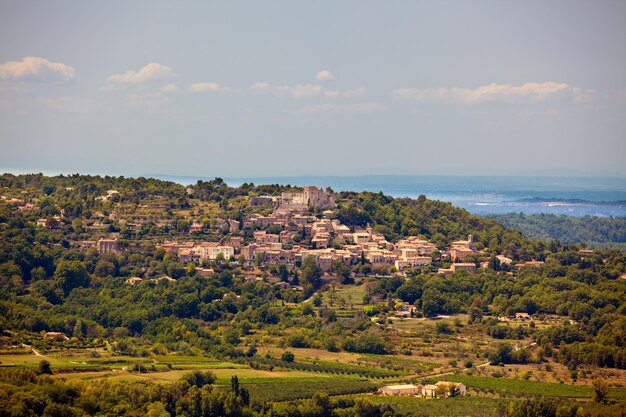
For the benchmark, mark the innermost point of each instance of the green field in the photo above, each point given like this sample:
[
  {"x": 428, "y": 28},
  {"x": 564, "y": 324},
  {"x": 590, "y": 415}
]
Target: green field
[
  {"x": 398, "y": 363},
  {"x": 289, "y": 388},
  {"x": 521, "y": 387},
  {"x": 346, "y": 300},
  {"x": 351, "y": 294},
  {"x": 470, "y": 406},
  {"x": 332, "y": 368},
  {"x": 449, "y": 407}
]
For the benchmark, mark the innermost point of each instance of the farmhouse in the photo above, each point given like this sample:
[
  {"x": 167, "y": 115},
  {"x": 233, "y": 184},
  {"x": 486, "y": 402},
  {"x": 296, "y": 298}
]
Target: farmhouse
[
  {"x": 57, "y": 336},
  {"x": 429, "y": 391},
  {"x": 451, "y": 389},
  {"x": 405, "y": 389},
  {"x": 438, "y": 390}
]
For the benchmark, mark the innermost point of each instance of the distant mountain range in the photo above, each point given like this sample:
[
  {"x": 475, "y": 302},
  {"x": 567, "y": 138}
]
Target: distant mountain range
[{"x": 538, "y": 200}]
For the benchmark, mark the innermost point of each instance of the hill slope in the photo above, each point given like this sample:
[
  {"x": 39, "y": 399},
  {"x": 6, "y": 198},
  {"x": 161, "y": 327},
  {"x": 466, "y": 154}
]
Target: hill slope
[{"x": 596, "y": 231}]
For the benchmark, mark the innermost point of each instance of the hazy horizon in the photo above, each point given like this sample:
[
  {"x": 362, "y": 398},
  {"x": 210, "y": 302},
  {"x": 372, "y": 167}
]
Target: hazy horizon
[
  {"x": 566, "y": 174},
  {"x": 482, "y": 195}
]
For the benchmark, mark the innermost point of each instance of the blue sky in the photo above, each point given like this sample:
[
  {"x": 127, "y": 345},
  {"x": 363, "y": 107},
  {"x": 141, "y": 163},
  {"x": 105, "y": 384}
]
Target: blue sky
[{"x": 238, "y": 89}]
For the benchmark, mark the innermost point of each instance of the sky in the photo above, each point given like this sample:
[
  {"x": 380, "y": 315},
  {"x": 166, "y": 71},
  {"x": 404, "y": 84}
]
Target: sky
[{"x": 284, "y": 88}]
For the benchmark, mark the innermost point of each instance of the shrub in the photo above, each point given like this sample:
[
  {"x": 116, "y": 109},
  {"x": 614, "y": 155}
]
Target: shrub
[
  {"x": 298, "y": 341},
  {"x": 442, "y": 328},
  {"x": 44, "y": 368},
  {"x": 600, "y": 390},
  {"x": 199, "y": 378}
]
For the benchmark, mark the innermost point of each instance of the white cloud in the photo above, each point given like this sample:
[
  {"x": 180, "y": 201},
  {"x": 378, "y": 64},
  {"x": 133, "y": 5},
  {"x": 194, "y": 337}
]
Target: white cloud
[
  {"x": 528, "y": 92},
  {"x": 364, "y": 107},
  {"x": 357, "y": 92},
  {"x": 146, "y": 100},
  {"x": 324, "y": 75},
  {"x": 150, "y": 72},
  {"x": 213, "y": 87},
  {"x": 35, "y": 69},
  {"x": 304, "y": 90},
  {"x": 170, "y": 88},
  {"x": 261, "y": 88},
  {"x": 297, "y": 91}
]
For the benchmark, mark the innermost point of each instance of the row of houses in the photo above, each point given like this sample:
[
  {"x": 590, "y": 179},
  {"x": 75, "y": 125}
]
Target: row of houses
[
  {"x": 367, "y": 243},
  {"x": 289, "y": 234},
  {"x": 325, "y": 239},
  {"x": 196, "y": 252},
  {"x": 326, "y": 234},
  {"x": 329, "y": 240}
]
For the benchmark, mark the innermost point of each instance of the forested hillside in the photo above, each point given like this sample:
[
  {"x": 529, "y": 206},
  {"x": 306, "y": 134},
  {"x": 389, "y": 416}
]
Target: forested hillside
[
  {"x": 143, "y": 305},
  {"x": 601, "y": 232}
]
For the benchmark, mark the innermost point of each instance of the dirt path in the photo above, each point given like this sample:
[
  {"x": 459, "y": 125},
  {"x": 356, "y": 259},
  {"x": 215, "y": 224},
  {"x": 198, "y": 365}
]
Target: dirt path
[
  {"x": 310, "y": 298},
  {"x": 482, "y": 365},
  {"x": 33, "y": 349},
  {"x": 44, "y": 356}
]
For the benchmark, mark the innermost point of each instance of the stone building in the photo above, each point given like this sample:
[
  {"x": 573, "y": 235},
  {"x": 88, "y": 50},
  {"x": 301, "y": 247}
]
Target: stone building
[
  {"x": 109, "y": 246},
  {"x": 310, "y": 197}
]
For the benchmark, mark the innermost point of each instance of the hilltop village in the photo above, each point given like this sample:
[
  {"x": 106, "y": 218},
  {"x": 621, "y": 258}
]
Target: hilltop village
[
  {"x": 300, "y": 224},
  {"x": 288, "y": 235}
]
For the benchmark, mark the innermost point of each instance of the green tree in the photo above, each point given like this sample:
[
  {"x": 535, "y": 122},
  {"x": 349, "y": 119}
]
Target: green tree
[
  {"x": 104, "y": 268},
  {"x": 475, "y": 315},
  {"x": 442, "y": 328},
  {"x": 60, "y": 410},
  {"x": 311, "y": 273},
  {"x": 343, "y": 271},
  {"x": 409, "y": 292},
  {"x": 199, "y": 378},
  {"x": 157, "y": 409},
  {"x": 283, "y": 273},
  {"x": 502, "y": 355},
  {"x": 44, "y": 368},
  {"x": 432, "y": 302},
  {"x": 71, "y": 274},
  {"x": 307, "y": 309},
  {"x": 453, "y": 390},
  {"x": 38, "y": 273},
  {"x": 600, "y": 390},
  {"x": 175, "y": 270},
  {"x": 317, "y": 300},
  {"x": 231, "y": 336},
  {"x": 10, "y": 278}
]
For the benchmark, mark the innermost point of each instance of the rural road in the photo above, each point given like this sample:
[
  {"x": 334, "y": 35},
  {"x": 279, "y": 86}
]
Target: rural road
[
  {"x": 477, "y": 366},
  {"x": 310, "y": 298},
  {"x": 33, "y": 349}
]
